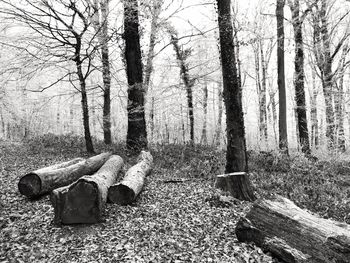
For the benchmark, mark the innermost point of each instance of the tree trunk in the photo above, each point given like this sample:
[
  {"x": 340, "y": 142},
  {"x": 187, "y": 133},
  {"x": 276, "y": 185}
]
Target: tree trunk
[
  {"x": 297, "y": 22},
  {"x": 126, "y": 191},
  {"x": 313, "y": 113},
  {"x": 219, "y": 123},
  {"x": 136, "y": 139},
  {"x": 181, "y": 56},
  {"x": 42, "y": 181},
  {"x": 294, "y": 235},
  {"x": 236, "y": 155},
  {"x": 263, "y": 113},
  {"x": 84, "y": 200},
  {"x": 282, "y": 121},
  {"x": 228, "y": 182},
  {"x": 204, "y": 138}
]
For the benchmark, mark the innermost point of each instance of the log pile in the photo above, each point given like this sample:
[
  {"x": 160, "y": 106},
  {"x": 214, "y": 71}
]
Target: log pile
[
  {"x": 293, "y": 234},
  {"x": 44, "y": 180},
  {"x": 80, "y": 187},
  {"x": 83, "y": 201},
  {"x": 126, "y": 191}
]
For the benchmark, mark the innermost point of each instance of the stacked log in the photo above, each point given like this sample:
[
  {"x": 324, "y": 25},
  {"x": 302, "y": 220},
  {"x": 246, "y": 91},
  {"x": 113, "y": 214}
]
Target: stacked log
[
  {"x": 84, "y": 200},
  {"x": 293, "y": 234},
  {"x": 44, "y": 180},
  {"x": 126, "y": 191}
]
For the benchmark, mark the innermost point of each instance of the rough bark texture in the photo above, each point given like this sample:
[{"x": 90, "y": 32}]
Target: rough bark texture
[
  {"x": 44, "y": 180},
  {"x": 84, "y": 200},
  {"x": 217, "y": 138},
  {"x": 297, "y": 22},
  {"x": 127, "y": 190},
  {"x": 237, "y": 184},
  {"x": 136, "y": 135},
  {"x": 236, "y": 155},
  {"x": 294, "y": 235},
  {"x": 282, "y": 121}
]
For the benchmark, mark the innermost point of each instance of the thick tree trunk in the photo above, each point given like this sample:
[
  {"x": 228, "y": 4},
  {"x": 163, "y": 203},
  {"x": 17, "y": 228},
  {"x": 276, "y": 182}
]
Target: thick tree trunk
[
  {"x": 136, "y": 139},
  {"x": 42, "y": 181},
  {"x": 84, "y": 200},
  {"x": 228, "y": 182},
  {"x": 126, "y": 191},
  {"x": 297, "y": 22},
  {"x": 236, "y": 155},
  {"x": 294, "y": 235},
  {"x": 282, "y": 120}
]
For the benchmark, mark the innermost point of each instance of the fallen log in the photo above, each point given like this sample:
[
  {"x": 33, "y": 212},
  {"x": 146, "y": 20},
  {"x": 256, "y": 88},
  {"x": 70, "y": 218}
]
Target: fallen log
[
  {"x": 237, "y": 184},
  {"x": 83, "y": 201},
  {"x": 127, "y": 190},
  {"x": 293, "y": 234},
  {"x": 44, "y": 180}
]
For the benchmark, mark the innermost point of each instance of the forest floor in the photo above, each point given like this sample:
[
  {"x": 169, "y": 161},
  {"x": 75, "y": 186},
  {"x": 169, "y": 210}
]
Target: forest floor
[{"x": 169, "y": 222}]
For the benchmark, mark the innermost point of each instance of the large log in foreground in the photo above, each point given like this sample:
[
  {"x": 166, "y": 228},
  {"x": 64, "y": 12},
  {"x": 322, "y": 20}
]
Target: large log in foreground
[
  {"x": 293, "y": 234},
  {"x": 126, "y": 191},
  {"x": 83, "y": 201},
  {"x": 237, "y": 184},
  {"x": 46, "y": 179}
]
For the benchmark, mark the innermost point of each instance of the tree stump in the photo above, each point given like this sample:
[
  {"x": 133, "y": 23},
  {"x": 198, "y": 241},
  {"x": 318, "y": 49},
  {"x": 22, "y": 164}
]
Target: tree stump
[
  {"x": 293, "y": 234},
  {"x": 237, "y": 184},
  {"x": 127, "y": 190},
  {"x": 84, "y": 200},
  {"x": 44, "y": 180}
]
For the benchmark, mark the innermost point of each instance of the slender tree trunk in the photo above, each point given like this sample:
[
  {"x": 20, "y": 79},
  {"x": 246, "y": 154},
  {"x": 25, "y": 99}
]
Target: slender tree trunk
[
  {"x": 101, "y": 28},
  {"x": 204, "y": 139},
  {"x": 282, "y": 121},
  {"x": 299, "y": 79},
  {"x": 327, "y": 82},
  {"x": 217, "y": 140},
  {"x": 136, "y": 135},
  {"x": 236, "y": 155},
  {"x": 314, "y": 121},
  {"x": 263, "y": 113},
  {"x": 85, "y": 108},
  {"x": 181, "y": 56},
  {"x": 339, "y": 103}
]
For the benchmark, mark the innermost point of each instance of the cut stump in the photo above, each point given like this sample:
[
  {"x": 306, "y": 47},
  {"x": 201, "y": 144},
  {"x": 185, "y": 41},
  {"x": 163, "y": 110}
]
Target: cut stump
[
  {"x": 237, "y": 184},
  {"x": 126, "y": 191},
  {"x": 293, "y": 234},
  {"x": 84, "y": 200},
  {"x": 44, "y": 180}
]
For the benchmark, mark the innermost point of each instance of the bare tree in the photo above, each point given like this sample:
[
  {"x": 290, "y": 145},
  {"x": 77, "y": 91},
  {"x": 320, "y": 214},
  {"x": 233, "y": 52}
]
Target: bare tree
[
  {"x": 60, "y": 33},
  {"x": 236, "y": 155},
  {"x": 137, "y": 135},
  {"x": 282, "y": 121}
]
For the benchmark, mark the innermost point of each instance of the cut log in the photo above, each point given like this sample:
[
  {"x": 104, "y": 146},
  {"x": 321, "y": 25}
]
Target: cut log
[
  {"x": 293, "y": 234},
  {"x": 237, "y": 184},
  {"x": 44, "y": 180},
  {"x": 126, "y": 191},
  {"x": 83, "y": 201}
]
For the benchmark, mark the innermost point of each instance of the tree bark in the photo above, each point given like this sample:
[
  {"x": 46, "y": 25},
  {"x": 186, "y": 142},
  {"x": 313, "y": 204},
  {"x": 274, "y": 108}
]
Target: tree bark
[
  {"x": 136, "y": 139},
  {"x": 204, "y": 138},
  {"x": 228, "y": 182},
  {"x": 42, "y": 181},
  {"x": 297, "y": 22},
  {"x": 219, "y": 123},
  {"x": 292, "y": 234},
  {"x": 181, "y": 56},
  {"x": 84, "y": 200},
  {"x": 282, "y": 121},
  {"x": 236, "y": 155},
  {"x": 127, "y": 190}
]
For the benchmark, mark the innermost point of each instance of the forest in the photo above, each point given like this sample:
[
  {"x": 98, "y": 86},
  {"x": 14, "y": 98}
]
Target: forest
[{"x": 175, "y": 131}]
